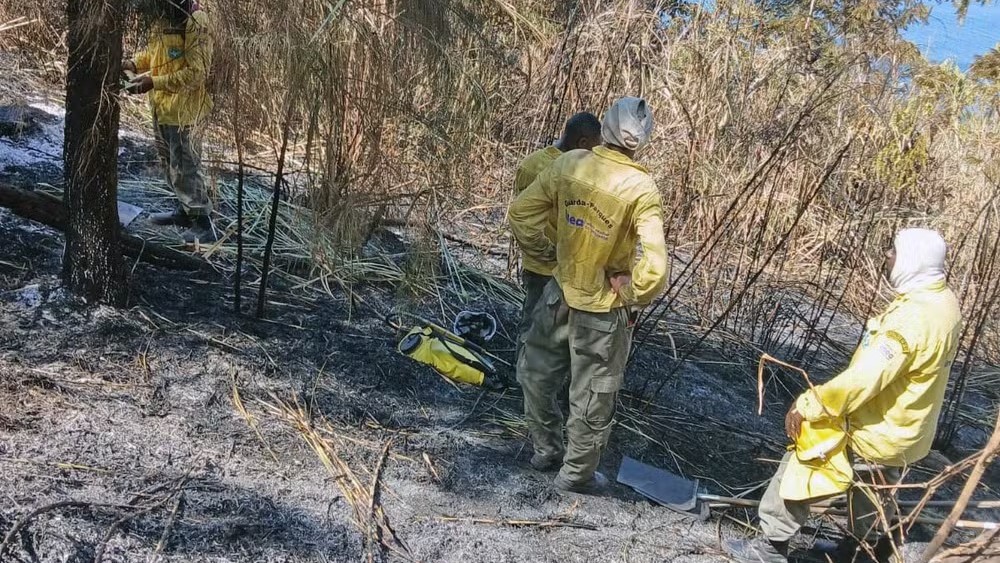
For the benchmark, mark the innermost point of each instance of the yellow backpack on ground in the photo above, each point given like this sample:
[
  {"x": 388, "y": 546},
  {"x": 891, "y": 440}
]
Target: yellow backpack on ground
[{"x": 451, "y": 360}]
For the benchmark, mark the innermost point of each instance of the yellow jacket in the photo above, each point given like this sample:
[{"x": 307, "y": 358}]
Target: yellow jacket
[
  {"x": 526, "y": 174},
  {"x": 892, "y": 391},
  {"x": 606, "y": 207},
  {"x": 179, "y": 62}
]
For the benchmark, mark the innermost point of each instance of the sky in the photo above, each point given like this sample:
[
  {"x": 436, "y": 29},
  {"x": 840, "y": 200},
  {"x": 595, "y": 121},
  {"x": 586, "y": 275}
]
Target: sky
[{"x": 943, "y": 38}]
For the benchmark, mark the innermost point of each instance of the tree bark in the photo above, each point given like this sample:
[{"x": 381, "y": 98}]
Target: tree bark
[{"x": 92, "y": 262}]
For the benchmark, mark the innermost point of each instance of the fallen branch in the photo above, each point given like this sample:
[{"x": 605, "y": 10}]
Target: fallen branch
[
  {"x": 51, "y": 212},
  {"x": 556, "y": 523},
  {"x": 113, "y": 528},
  {"x": 373, "y": 492},
  {"x": 492, "y": 251},
  {"x": 57, "y": 464},
  {"x": 983, "y": 548},
  {"x": 24, "y": 520},
  {"x": 165, "y": 536},
  {"x": 373, "y": 506},
  {"x": 983, "y": 461}
]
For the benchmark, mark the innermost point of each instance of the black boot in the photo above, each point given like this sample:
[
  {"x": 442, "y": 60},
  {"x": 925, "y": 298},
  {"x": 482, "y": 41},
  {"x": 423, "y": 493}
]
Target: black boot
[
  {"x": 176, "y": 217},
  {"x": 202, "y": 230}
]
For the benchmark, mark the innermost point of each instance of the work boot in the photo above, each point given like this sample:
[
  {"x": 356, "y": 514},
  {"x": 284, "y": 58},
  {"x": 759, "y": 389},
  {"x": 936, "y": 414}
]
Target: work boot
[
  {"x": 176, "y": 217},
  {"x": 202, "y": 230},
  {"x": 546, "y": 463},
  {"x": 757, "y": 550},
  {"x": 597, "y": 485}
]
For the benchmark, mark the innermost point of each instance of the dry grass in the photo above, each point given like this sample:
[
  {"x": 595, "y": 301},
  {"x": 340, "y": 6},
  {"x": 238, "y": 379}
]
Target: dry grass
[
  {"x": 369, "y": 516},
  {"x": 791, "y": 144}
]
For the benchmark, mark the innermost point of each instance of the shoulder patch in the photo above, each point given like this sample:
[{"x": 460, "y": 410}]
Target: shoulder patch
[{"x": 893, "y": 335}]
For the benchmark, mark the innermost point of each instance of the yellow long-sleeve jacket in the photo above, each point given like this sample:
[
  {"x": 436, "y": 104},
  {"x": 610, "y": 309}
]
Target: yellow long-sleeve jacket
[
  {"x": 179, "y": 61},
  {"x": 529, "y": 169},
  {"x": 606, "y": 206},
  {"x": 892, "y": 391}
]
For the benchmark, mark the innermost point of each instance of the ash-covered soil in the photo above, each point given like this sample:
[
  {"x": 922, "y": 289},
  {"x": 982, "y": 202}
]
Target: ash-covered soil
[
  {"x": 176, "y": 430},
  {"x": 121, "y": 410}
]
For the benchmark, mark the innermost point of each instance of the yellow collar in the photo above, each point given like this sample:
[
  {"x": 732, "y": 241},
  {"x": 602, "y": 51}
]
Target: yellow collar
[
  {"x": 618, "y": 157},
  {"x": 931, "y": 287}
]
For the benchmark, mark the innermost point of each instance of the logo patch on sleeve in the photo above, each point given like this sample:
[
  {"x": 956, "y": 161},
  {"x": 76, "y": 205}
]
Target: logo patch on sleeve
[
  {"x": 887, "y": 352},
  {"x": 892, "y": 334}
]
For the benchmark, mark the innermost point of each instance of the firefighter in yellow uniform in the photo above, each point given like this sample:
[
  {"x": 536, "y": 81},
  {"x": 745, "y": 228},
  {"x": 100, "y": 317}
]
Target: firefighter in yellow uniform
[
  {"x": 606, "y": 207},
  {"x": 582, "y": 131},
  {"x": 174, "y": 67},
  {"x": 885, "y": 404}
]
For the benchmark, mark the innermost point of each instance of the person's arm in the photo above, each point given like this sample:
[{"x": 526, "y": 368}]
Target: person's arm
[
  {"x": 650, "y": 273},
  {"x": 197, "y": 58},
  {"x": 529, "y": 214},
  {"x": 522, "y": 179},
  {"x": 885, "y": 359},
  {"x": 141, "y": 62}
]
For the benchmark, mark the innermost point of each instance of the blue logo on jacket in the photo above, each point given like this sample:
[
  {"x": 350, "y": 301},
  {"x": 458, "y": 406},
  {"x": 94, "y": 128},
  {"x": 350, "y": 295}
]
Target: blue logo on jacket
[{"x": 575, "y": 221}]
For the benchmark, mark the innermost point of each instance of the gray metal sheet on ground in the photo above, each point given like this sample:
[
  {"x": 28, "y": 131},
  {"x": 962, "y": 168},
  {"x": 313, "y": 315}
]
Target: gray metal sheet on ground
[
  {"x": 658, "y": 485},
  {"x": 127, "y": 213}
]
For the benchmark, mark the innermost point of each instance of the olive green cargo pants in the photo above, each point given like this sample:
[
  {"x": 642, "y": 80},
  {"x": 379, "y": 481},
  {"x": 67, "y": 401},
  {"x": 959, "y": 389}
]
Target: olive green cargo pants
[
  {"x": 179, "y": 150},
  {"x": 590, "y": 348},
  {"x": 781, "y": 519},
  {"x": 533, "y": 285}
]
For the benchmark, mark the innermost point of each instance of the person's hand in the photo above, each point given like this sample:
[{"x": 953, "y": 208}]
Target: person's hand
[
  {"x": 141, "y": 86},
  {"x": 619, "y": 281},
  {"x": 793, "y": 423},
  {"x": 129, "y": 65}
]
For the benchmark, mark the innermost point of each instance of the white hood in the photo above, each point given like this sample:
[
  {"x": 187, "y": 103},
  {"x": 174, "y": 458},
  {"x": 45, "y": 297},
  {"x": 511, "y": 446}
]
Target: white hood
[
  {"x": 628, "y": 123},
  {"x": 920, "y": 255}
]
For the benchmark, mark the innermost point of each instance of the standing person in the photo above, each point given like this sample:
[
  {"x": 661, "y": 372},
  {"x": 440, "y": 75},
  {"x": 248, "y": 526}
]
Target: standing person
[
  {"x": 606, "y": 206},
  {"x": 174, "y": 67},
  {"x": 582, "y": 131},
  {"x": 888, "y": 400}
]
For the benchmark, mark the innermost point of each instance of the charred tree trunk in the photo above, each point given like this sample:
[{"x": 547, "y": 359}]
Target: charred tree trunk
[{"x": 92, "y": 263}]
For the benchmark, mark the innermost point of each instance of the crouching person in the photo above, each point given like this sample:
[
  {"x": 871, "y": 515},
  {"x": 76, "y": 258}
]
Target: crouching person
[{"x": 880, "y": 413}]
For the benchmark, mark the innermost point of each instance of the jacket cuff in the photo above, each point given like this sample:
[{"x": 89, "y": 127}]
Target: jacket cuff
[
  {"x": 159, "y": 82},
  {"x": 628, "y": 296},
  {"x": 809, "y": 406}
]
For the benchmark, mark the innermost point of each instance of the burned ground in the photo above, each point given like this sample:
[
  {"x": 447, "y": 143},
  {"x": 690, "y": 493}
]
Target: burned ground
[
  {"x": 102, "y": 404},
  {"x": 180, "y": 431}
]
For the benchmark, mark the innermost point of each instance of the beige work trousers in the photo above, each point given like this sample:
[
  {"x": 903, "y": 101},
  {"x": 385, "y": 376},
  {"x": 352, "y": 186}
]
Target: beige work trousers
[
  {"x": 592, "y": 350},
  {"x": 781, "y": 519}
]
